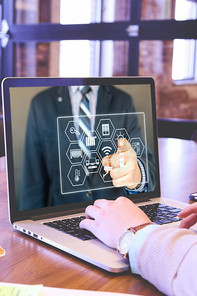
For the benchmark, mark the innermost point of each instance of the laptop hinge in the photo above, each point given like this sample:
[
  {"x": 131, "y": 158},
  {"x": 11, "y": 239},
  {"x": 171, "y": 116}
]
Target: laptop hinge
[{"x": 57, "y": 214}]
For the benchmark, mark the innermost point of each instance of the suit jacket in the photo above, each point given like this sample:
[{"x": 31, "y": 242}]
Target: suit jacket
[{"x": 41, "y": 180}]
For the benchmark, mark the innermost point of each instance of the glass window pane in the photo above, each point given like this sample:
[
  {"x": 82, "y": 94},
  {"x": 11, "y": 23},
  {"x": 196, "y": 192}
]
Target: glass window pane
[
  {"x": 36, "y": 59},
  {"x": 173, "y": 101},
  {"x": 65, "y": 58},
  {"x": 79, "y": 58},
  {"x": 72, "y": 58},
  {"x": 78, "y": 11},
  {"x": 185, "y": 10},
  {"x": 36, "y": 11},
  {"x": 55, "y": 11},
  {"x": 168, "y": 9},
  {"x": 121, "y": 10},
  {"x": 183, "y": 66},
  {"x": 157, "y": 9},
  {"x": 71, "y": 12},
  {"x": 114, "y": 58},
  {"x": 107, "y": 58}
]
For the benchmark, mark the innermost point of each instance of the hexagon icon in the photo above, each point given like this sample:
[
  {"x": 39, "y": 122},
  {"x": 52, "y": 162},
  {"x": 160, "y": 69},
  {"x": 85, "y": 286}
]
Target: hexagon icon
[
  {"x": 106, "y": 148},
  {"x": 120, "y": 133},
  {"x": 72, "y": 133},
  {"x": 74, "y": 153},
  {"x": 92, "y": 163},
  {"x": 76, "y": 175},
  {"x": 105, "y": 129},
  {"x": 90, "y": 142},
  {"x": 137, "y": 145}
]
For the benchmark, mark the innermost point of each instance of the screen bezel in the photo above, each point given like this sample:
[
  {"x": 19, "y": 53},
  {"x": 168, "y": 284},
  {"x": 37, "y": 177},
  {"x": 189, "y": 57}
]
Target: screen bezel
[{"x": 16, "y": 215}]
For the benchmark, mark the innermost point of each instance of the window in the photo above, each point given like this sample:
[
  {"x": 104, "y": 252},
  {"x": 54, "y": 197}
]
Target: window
[
  {"x": 84, "y": 53},
  {"x": 98, "y": 38},
  {"x": 185, "y": 51},
  {"x": 184, "y": 60},
  {"x": 66, "y": 56}
]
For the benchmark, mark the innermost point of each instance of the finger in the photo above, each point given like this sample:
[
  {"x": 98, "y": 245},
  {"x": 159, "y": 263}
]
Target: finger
[
  {"x": 189, "y": 221},
  {"x": 123, "y": 144},
  {"x": 89, "y": 225},
  {"x": 118, "y": 160},
  {"x": 117, "y": 173},
  {"x": 106, "y": 159},
  {"x": 124, "y": 157},
  {"x": 121, "y": 158},
  {"x": 108, "y": 163},
  {"x": 123, "y": 181},
  {"x": 130, "y": 169},
  {"x": 92, "y": 212},
  {"x": 101, "y": 203},
  {"x": 191, "y": 209}
]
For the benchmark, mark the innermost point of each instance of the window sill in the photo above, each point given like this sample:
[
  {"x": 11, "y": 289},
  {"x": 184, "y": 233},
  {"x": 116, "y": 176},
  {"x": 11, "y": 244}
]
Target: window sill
[{"x": 185, "y": 82}]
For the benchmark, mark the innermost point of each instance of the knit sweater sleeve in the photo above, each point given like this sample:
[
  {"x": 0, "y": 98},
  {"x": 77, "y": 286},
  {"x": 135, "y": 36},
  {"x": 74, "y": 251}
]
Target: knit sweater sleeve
[{"x": 168, "y": 259}]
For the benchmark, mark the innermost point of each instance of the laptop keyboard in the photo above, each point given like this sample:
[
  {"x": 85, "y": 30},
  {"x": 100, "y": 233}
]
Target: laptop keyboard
[
  {"x": 157, "y": 213},
  {"x": 160, "y": 213},
  {"x": 71, "y": 226}
]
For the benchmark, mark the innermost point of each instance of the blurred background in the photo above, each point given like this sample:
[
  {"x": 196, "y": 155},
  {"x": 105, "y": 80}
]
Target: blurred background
[{"x": 63, "y": 38}]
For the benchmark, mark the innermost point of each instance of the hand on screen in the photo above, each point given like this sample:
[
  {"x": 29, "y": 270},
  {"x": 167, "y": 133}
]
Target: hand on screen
[
  {"x": 123, "y": 166},
  {"x": 189, "y": 216},
  {"x": 107, "y": 219}
]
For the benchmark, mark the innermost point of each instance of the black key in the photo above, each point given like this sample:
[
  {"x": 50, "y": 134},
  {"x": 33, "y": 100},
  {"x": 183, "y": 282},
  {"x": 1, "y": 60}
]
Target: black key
[
  {"x": 71, "y": 227},
  {"x": 160, "y": 213}
]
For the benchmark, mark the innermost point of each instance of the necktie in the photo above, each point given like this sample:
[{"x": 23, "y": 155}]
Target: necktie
[{"x": 85, "y": 119}]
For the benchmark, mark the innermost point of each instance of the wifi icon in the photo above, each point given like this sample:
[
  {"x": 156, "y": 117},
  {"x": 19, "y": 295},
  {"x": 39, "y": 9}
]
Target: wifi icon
[{"x": 106, "y": 150}]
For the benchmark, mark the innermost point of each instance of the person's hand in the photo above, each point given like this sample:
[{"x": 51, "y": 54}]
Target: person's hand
[
  {"x": 189, "y": 216},
  {"x": 107, "y": 220},
  {"x": 124, "y": 169}
]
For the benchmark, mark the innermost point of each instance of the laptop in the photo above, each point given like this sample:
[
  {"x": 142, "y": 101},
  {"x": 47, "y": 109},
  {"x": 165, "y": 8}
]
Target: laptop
[{"x": 56, "y": 167}]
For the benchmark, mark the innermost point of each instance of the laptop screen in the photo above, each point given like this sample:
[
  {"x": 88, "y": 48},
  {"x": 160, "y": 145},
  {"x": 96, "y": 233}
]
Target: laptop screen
[{"x": 72, "y": 141}]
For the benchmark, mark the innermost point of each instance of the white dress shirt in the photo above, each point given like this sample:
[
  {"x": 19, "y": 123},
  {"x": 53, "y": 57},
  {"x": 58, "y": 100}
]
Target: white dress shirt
[{"x": 76, "y": 96}]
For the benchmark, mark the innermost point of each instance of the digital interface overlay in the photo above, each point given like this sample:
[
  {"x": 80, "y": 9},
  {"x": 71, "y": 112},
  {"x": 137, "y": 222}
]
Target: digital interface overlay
[{"x": 82, "y": 155}]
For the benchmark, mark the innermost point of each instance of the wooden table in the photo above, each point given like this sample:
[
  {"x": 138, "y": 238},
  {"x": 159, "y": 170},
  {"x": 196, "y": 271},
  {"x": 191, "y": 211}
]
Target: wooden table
[
  {"x": 178, "y": 168},
  {"x": 29, "y": 261}
]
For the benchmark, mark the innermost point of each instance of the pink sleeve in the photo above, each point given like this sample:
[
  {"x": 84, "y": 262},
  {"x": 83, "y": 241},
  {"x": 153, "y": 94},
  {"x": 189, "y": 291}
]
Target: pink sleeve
[{"x": 168, "y": 259}]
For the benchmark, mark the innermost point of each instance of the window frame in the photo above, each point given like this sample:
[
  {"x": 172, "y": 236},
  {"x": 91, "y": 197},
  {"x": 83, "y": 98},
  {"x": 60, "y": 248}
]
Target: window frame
[{"x": 45, "y": 32}]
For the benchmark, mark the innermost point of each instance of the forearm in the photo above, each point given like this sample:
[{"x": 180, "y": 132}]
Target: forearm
[{"x": 166, "y": 259}]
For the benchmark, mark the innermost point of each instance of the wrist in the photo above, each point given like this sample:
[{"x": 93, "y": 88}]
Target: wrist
[
  {"x": 139, "y": 186},
  {"x": 127, "y": 237},
  {"x": 139, "y": 240}
]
